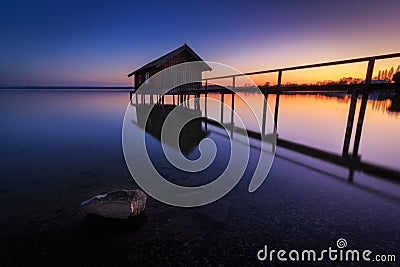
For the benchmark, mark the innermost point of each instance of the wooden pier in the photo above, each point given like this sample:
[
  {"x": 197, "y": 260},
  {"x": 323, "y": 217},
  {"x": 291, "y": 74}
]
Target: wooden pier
[{"x": 350, "y": 160}]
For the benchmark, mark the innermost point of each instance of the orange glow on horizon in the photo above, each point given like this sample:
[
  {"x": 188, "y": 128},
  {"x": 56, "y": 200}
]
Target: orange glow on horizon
[
  {"x": 305, "y": 76},
  {"x": 312, "y": 75}
]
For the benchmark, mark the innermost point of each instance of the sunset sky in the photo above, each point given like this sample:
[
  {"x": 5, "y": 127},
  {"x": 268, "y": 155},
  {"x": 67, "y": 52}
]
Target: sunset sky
[{"x": 98, "y": 42}]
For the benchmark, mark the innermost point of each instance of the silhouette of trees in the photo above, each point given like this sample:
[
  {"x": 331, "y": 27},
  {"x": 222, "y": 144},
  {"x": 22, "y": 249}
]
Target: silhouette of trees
[
  {"x": 387, "y": 75},
  {"x": 383, "y": 76},
  {"x": 266, "y": 84},
  {"x": 344, "y": 80},
  {"x": 349, "y": 80},
  {"x": 390, "y": 73}
]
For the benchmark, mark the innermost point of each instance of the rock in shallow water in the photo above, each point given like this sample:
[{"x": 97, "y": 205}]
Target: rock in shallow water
[{"x": 120, "y": 204}]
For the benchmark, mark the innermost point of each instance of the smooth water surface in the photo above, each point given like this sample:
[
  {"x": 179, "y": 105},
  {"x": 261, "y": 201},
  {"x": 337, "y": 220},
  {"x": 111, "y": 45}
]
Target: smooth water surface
[{"x": 60, "y": 148}]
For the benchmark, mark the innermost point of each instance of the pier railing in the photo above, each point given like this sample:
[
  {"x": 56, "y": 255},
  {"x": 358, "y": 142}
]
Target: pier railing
[
  {"x": 364, "y": 88},
  {"x": 310, "y": 66}
]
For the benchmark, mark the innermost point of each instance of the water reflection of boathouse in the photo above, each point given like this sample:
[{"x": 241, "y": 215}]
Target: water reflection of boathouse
[{"x": 192, "y": 133}]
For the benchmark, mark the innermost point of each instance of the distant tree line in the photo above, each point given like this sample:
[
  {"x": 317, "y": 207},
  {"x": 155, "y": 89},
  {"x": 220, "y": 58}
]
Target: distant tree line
[
  {"x": 383, "y": 75},
  {"x": 386, "y": 75},
  {"x": 344, "y": 80}
]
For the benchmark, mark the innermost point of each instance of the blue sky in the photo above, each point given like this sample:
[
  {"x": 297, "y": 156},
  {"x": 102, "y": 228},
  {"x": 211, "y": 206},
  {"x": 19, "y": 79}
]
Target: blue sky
[{"x": 99, "y": 42}]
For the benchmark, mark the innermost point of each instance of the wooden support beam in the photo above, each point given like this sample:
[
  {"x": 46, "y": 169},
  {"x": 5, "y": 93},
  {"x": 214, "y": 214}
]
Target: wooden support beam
[
  {"x": 205, "y": 109},
  {"x": 264, "y": 119},
  {"x": 222, "y": 108},
  {"x": 232, "y": 107},
  {"x": 350, "y": 122},
  {"x": 363, "y": 107},
  {"x": 277, "y": 101}
]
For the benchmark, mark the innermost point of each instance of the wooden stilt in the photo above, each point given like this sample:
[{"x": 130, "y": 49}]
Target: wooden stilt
[
  {"x": 349, "y": 126},
  {"x": 222, "y": 108},
  {"x": 363, "y": 107},
  {"x": 277, "y": 101}
]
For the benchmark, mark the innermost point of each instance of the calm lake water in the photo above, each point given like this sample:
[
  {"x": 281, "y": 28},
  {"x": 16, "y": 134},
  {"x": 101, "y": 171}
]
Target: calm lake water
[{"x": 60, "y": 148}]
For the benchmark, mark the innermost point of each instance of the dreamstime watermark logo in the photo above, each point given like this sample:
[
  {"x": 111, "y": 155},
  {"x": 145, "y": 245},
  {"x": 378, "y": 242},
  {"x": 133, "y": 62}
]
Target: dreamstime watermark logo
[
  {"x": 338, "y": 253},
  {"x": 137, "y": 156}
]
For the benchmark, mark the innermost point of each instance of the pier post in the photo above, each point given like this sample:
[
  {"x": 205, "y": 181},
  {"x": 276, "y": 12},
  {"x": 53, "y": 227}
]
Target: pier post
[
  {"x": 360, "y": 123},
  {"x": 363, "y": 107},
  {"x": 197, "y": 102},
  {"x": 232, "y": 112},
  {"x": 350, "y": 121},
  {"x": 233, "y": 103},
  {"x": 205, "y": 108},
  {"x": 277, "y": 100},
  {"x": 222, "y": 108},
  {"x": 232, "y": 108},
  {"x": 264, "y": 119}
]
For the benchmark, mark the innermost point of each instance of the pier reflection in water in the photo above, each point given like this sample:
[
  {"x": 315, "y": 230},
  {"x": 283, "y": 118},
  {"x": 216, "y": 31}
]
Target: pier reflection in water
[
  {"x": 203, "y": 122},
  {"x": 214, "y": 128}
]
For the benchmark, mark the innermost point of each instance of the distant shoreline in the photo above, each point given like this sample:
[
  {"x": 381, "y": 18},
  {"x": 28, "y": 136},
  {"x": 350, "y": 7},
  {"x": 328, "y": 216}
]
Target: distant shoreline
[{"x": 67, "y": 88}]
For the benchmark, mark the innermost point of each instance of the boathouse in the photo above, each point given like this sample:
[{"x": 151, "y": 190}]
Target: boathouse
[{"x": 180, "y": 55}]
